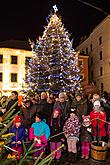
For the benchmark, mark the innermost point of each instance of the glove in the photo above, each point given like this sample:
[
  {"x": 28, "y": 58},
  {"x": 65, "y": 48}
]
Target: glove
[{"x": 89, "y": 129}]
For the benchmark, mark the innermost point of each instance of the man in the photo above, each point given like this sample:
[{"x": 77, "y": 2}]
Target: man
[
  {"x": 80, "y": 105},
  {"x": 63, "y": 105},
  {"x": 14, "y": 99}
]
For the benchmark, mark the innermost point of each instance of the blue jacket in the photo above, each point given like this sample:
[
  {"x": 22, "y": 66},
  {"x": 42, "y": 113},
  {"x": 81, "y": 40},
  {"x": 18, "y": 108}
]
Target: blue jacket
[
  {"x": 41, "y": 128},
  {"x": 19, "y": 134}
]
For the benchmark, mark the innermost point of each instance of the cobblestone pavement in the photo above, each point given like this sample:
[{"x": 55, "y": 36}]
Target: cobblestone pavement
[{"x": 90, "y": 161}]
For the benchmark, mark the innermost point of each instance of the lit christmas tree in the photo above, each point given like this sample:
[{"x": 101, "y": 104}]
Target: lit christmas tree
[
  {"x": 36, "y": 70},
  {"x": 54, "y": 58}
]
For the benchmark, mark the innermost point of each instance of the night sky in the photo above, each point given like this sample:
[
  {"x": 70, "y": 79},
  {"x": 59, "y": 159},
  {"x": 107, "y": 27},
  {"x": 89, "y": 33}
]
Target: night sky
[{"x": 21, "y": 20}]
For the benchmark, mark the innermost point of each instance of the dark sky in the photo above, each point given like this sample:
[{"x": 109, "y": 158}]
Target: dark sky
[{"x": 26, "y": 19}]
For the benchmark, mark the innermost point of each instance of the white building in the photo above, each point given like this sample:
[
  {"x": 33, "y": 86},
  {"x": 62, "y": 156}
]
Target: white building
[
  {"x": 13, "y": 56},
  {"x": 97, "y": 46}
]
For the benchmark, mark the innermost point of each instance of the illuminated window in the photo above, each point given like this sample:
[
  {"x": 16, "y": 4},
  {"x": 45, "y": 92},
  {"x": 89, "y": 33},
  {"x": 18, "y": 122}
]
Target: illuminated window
[
  {"x": 1, "y": 77},
  {"x": 13, "y": 77},
  {"x": 14, "y": 60},
  {"x": 1, "y": 58}
]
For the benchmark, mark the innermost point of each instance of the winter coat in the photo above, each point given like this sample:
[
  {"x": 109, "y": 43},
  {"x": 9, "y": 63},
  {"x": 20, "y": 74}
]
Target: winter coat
[
  {"x": 45, "y": 108},
  {"x": 72, "y": 127},
  {"x": 56, "y": 129},
  {"x": 19, "y": 135},
  {"x": 11, "y": 103},
  {"x": 86, "y": 136},
  {"x": 81, "y": 107},
  {"x": 101, "y": 115},
  {"x": 28, "y": 115},
  {"x": 108, "y": 131},
  {"x": 65, "y": 107},
  {"x": 39, "y": 130}
]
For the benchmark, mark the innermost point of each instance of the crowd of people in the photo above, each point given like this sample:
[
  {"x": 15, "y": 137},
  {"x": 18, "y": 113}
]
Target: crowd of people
[{"x": 50, "y": 121}]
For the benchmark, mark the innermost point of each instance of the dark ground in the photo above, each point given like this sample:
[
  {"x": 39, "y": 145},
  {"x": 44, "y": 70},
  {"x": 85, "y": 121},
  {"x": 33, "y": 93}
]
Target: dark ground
[{"x": 90, "y": 161}]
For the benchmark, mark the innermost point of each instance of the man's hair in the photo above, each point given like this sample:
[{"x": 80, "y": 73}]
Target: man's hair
[{"x": 15, "y": 92}]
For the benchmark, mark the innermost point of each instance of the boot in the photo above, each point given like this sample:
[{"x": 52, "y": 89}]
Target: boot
[
  {"x": 69, "y": 156},
  {"x": 74, "y": 158}
]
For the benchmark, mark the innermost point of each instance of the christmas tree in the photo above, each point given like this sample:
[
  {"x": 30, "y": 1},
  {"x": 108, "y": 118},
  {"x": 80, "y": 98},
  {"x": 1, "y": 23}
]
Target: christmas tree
[
  {"x": 37, "y": 69},
  {"x": 55, "y": 62}
]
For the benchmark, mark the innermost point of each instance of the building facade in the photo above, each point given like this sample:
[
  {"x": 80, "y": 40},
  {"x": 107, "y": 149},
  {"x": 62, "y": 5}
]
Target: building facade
[
  {"x": 97, "y": 46},
  {"x": 12, "y": 66}
]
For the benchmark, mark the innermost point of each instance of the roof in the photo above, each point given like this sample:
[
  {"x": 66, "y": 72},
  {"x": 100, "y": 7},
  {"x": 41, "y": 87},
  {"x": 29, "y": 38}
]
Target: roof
[{"x": 15, "y": 44}]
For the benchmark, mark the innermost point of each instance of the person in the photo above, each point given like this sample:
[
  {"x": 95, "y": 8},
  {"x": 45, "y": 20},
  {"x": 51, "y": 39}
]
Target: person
[
  {"x": 40, "y": 133},
  {"x": 86, "y": 136},
  {"x": 63, "y": 105},
  {"x": 3, "y": 104},
  {"x": 108, "y": 133},
  {"x": 28, "y": 112},
  {"x": 91, "y": 101},
  {"x": 80, "y": 104},
  {"x": 99, "y": 132},
  {"x": 43, "y": 106},
  {"x": 14, "y": 99},
  {"x": 71, "y": 131},
  {"x": 56, "y": 127},
  {"x": 19, "y": 131}
]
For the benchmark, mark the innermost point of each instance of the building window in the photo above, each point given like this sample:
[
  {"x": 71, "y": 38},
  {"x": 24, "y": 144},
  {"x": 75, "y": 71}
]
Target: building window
[
  {"x": 80, "y": 63},
  {"x": 14, "y": 60},
  {"x": 91, "y": 47},
  {"x": 102, "y": 87},
  {"x": 91, "y": 60},
  {"x": 27, "y": 59},
  {"x": 100, "y": 55},
  {"x": 100, "y": 40},
  {"x": 1, "y": 58},
  {"x": 13, "y": 77},
  {"x": 92, "y": 76},
  {"x": 86, "y": 50},
  {"x": 1, "y": 77},
  {"x": 101, "y": 71},
  {"x": 94, "y": 82}
]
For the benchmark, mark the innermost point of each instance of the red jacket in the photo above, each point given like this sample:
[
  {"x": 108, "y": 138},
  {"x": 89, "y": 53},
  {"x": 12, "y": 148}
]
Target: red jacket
[{"x": 101, "y": 115}]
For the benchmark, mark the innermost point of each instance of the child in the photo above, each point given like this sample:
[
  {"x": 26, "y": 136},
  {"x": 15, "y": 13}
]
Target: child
[
  {"x": 71, "y": 131},
  {"x": 40, "y": 133},
  {"x": 99, "y": 132},
  {"x": 108, "y": 132},
  {"x": 19, "y": 132},
  {"x": 56, "y": 128},
  {"x": 86, "y": 136}
]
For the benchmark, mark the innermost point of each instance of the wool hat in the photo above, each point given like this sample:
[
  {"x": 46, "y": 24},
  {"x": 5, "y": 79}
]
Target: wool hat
[
  {"x": 97, "y": 102},
  {"x": 17, "y": 119},
  {"x": 78, "y": 94}
]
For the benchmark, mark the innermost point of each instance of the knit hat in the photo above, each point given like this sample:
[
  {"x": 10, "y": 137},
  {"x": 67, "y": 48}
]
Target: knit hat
[
  {"x": 97, "y": 102},
  {"x": 78, "y": 94},
  {"x": 17, "y": 119}
]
